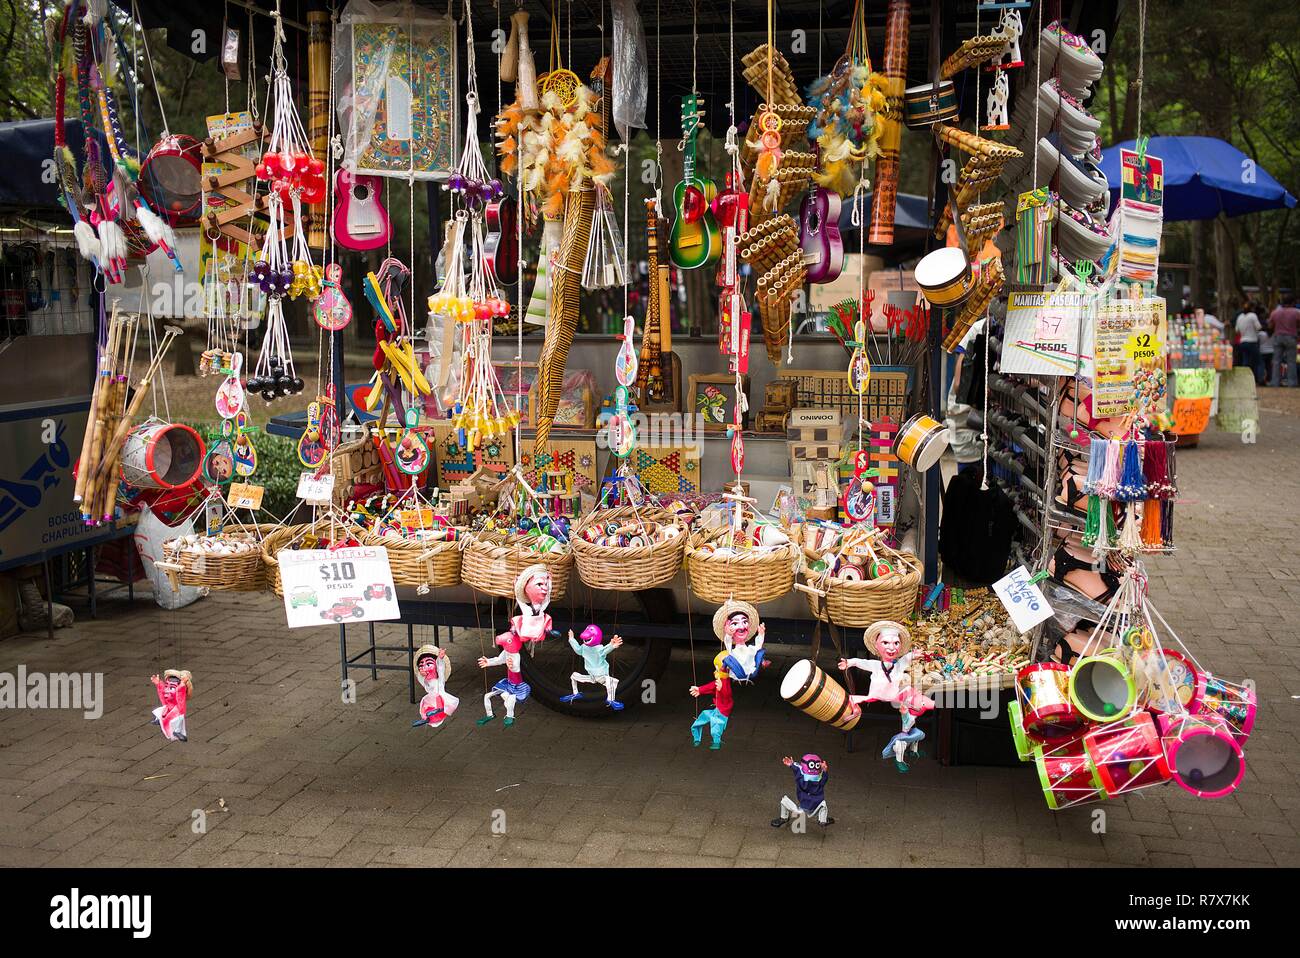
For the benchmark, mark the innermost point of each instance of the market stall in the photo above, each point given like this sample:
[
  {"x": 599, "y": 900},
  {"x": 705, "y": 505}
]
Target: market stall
[{"x": 569, "y": 426}]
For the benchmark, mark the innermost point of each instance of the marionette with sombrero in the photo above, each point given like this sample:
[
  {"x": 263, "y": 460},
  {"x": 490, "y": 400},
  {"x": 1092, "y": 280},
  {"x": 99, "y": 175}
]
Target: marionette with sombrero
[
  {"x": 810, "y": 774},
  {"x": 532, "y": 624},
  {"x": 174, "y": 690},
  {"x": 432, "y": 669},
  {"x": 595, "y": 657},
  {"x": 890, "y": 682},
  {"x": 735, "y": 623},
  {"x": 533, "y": 593}
]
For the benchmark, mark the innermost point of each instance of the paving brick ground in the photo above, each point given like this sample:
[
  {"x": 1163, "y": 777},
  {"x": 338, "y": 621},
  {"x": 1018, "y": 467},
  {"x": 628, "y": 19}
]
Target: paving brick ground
[{"x": 288, "y": 774}]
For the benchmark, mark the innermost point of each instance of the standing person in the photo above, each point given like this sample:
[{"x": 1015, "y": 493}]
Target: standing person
[
  {"x": 1283, "y": 323},
  {"x": 1248, "y": 329},
  {"x": 1265, "y": 357}
]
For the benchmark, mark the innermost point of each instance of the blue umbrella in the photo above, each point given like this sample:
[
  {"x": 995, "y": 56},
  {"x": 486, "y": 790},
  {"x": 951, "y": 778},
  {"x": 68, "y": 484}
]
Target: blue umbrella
[{"x": 1204, "y": 176}]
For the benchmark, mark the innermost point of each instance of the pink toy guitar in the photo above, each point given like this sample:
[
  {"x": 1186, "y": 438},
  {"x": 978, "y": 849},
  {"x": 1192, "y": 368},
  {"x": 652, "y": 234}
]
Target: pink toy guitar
[
  {"x": 360, "y": 220},
  {"x": 332, "y": 310},
  {"x": 819, "y": 235}
]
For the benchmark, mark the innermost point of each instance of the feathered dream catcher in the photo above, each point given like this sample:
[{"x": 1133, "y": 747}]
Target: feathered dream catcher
[
  {"x": 558, "y": 147},
  {"x": 849, "y": 102}
]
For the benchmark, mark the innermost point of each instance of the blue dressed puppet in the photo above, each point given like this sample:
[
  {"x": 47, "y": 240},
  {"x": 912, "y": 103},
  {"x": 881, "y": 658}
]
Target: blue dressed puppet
[
  {"x": 735, "y": 623},
  {"x": 595, "y": 658},
  {"x": 810, "y": 774}
]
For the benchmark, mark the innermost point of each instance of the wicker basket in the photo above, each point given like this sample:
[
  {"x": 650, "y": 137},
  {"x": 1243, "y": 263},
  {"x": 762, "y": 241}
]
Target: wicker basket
[
  {"x": 435, "y": 564},
  {"x": 856, "y": 605},
  {"x": 283, "y": 536},
  {"x": 628, "y": 568},
  {"x": 491, "y": 562},
  {"x": 244, "y": 572},
  {"x": 749, "y": 576}
]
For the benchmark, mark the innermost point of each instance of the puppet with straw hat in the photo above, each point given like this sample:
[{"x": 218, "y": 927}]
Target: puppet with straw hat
[
  {"x": 734, "y": 624},
  {"x": 890, "y": 682},
  {"x": 432, "y": 669}
]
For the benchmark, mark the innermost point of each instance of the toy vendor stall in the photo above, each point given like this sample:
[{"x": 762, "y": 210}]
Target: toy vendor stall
[{"x": 672, "y": 358}]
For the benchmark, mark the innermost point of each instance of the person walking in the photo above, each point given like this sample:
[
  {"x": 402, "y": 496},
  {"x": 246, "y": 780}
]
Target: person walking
[
  {"x": 1248, "y": 329},
  {"x": 1284, "y": 323}
]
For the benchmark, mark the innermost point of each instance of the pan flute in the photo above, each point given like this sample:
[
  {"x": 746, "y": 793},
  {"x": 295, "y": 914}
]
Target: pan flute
[
  {"x": 989, "y": 284},
  {"x": 972, "y": 53},
  {"x": 756, "y": 73}
]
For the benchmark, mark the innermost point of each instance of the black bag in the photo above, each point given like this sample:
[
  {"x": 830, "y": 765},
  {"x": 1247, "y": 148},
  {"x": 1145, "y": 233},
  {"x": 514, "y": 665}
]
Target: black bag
[
  {"x": 977, "y": 528},
  {"x": 970, "y": 391}
]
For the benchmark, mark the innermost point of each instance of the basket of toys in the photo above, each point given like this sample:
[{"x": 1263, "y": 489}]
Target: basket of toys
[
  {"x": 852, "y": 579},
  {"x": 746, "y": 557},
  {"x": 628, "y": 548},
  {"x": 420, "y": 557},
  {"x": 492, "y": 559},
  {"x": 357, "y": 469},
  {"x": 329, "y": 531},
  {"x": 229, "y": 561}
]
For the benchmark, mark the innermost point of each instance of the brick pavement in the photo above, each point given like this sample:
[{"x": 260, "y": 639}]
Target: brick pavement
[{"x": 288, "y": 774}]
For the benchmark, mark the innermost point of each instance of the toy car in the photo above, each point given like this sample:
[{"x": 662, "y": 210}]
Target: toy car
[
  {"x": 342, "y": 608},
  {"x": 378, "y": 591},
  {"x": 302, "y": 595}
]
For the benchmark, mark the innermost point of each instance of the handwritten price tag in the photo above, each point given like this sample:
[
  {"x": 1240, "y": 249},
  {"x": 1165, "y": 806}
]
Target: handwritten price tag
[
  {"x": 243, "y": 495},
  {"x": 1023, "y": 600},
  {"x": 316, "y": 490}
]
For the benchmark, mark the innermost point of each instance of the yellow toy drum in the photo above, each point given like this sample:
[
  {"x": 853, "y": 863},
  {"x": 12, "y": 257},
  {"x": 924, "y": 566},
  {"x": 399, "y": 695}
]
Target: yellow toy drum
[
  {"x": 811, "y": 690},
  {"x": 945, "y": 276},
  {"x": 921, "y": 442}
]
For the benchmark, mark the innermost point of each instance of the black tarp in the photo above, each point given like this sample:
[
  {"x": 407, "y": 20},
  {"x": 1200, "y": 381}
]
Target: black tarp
[{"x": 27, "y": 149}]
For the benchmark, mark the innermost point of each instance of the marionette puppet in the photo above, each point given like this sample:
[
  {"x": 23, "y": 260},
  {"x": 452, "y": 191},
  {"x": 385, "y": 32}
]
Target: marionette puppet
[
  {"x": 174, "y": 690},
  {"x": 432, "y": 669},
  {"x": 810, "y": 774},
  {"x": 735, "y": 623},
  {"x": 715, "y": 718},
  {"x": 891, "y": 683},
  {"x": 595, "y": 658},
  {"x": 512, "y": 689},
  {"x": 533, "y": 593}
]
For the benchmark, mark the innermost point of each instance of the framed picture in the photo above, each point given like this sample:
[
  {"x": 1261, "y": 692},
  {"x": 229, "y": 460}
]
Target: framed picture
[{"x": 712, "y": 396}]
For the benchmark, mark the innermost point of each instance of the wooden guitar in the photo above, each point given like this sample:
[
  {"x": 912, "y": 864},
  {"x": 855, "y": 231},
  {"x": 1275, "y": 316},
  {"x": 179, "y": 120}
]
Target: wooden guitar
[
  {"x": 819, "y": 235},
  {"x": 360, "y": 220},
  {"x": 695, "y": 239},
  {"x": 501, "y": 244}
]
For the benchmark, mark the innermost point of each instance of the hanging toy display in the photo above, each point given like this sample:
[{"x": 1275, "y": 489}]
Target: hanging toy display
[
  {"x": 174, "y": 690},
  {"x": 1136, "y": 479},
  {"x": 294, "y": 177},
  {"x": 432, "y": 669},
  {"x": 735, "y": 624},
  {"x": 595, "y": 659},
  {"x": 810, "y": 776}
]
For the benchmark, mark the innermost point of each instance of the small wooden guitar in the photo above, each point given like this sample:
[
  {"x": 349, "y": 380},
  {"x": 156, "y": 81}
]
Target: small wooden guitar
[
  {"x": 501, "y": 244},
  {"x": 360, "y": 220},
  {"x": 819, "y": 235},
  {"x": 695, "y": 239}
]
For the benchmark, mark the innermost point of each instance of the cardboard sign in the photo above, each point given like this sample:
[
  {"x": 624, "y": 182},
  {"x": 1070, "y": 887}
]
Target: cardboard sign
[
  {"x": 1044, "y": 335},
  {"x": 1023, "y": 600},
  {"x": 337, "y": 586},
  {"x": 1191, "y": 416},
  {"x": 1128, "y": 335},
  {"x": 316, "y": 490},
  {"x": 243, "y": 495}
]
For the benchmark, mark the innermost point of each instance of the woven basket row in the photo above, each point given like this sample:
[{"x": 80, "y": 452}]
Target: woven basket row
[
  {"x": 244, "y": 572},
  {"x": 629, "y": 568},
  {"x": 756, "y": 576},
  {"x": 857, "y": 604}
]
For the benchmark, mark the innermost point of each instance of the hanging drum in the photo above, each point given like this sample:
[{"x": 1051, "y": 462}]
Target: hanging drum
[
  {"x": 811, "y": 690},
  {"x": 1203, "y": 756},
  {"x": 1048, "y": 713},
  {"x": 1068, "y": 776},
  {"x": 171, "y": 179},
  {"x": 1127, "y": 755},
  {"x": 1235, "y": 704},
  {"x": 1024, "y": 747},
  {"x": 945, "y": 276},
  {"x": 162, "y": 455},
  {"x": 1102, "y": 688},
  {"x": 921, "y": 442}
]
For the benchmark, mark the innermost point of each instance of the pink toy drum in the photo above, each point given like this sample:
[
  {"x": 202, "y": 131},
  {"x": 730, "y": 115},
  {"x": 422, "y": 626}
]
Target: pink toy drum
[
  {"x": 1068, "y": 776},
  {"x": 1235, "y": 704},
  {"x": 1048, "y": 714},
  {"x": 1204, "y": 758},
  {"x": 1174, "y": 684},
  {"x": 1127, "y": 755}
]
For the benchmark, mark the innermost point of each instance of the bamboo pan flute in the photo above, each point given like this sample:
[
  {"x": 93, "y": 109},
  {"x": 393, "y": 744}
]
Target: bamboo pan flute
[
  {"x": 784, "y": 91},
  {"x": 975, "y": 145},
  {"x": 972, "y": 53},
  {"x": 990, "y": 283}
]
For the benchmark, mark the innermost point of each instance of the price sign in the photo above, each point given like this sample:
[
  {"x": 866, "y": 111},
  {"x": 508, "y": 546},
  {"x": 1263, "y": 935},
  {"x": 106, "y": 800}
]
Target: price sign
[
  {"x": 1023, "y": 600},
  {"x": 243, "y": 495},
  {"x": 316, "y": 490},
  {"x": 337, "y": 586}
]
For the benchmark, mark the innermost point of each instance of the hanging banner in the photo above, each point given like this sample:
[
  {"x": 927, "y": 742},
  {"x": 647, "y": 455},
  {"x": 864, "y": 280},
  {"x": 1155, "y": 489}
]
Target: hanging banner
[
  {"x": 324, "y": 586},
  {"x": 1046, "y": 334},
  {"x": 1128, "y": 336}
]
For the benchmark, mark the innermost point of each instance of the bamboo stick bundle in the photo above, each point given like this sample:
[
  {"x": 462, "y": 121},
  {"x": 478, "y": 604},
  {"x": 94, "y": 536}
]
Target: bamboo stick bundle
[
  {"x": 562, "y": 314},
  {"x": 98, "y": 396},
  {"x": 990, "y": 283},
  {"x": 757, "y": 73},
  {"x": 108, "y": 405}
]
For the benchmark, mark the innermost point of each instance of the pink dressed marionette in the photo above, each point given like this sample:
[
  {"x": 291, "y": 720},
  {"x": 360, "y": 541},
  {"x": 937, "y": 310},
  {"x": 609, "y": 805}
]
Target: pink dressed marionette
[
  {"x": 595, "y": 658},
  {"x": 432, "y": 669},
  {"x": 533, "y": 593},
  {"x": 512, "y": 689},
  {"x": 174, "y": 690},
  {"x": 890, "y": 682}
]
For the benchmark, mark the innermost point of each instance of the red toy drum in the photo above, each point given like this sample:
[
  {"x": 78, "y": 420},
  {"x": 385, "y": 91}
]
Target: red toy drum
[
  {"x": 171, "y": 179},
  {"x": 1127, "y": 755},
  {"x": 1203, "y": 755},
  {"x": 162, "y": 455},
  {"x": 1043, "y": 692},
  {"x": 1068, "y": 776},
  {"x": 1235, "y": 704}
]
